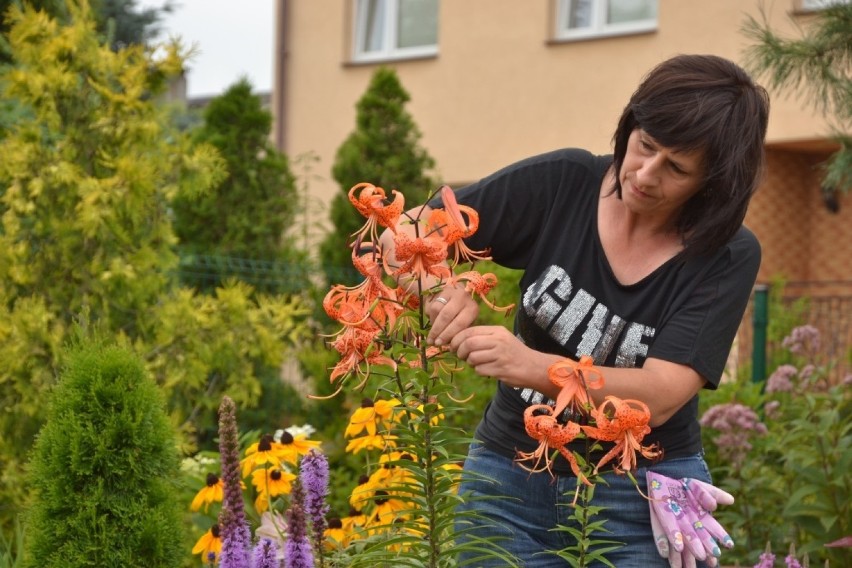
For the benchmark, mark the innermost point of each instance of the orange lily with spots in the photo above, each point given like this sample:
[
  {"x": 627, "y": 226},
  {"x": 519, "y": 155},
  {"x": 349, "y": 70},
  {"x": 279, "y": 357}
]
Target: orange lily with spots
[
  {"x": 420, "y": 256},
  {"x": 451, "y": 224},
  {"x": 542, "y": 425},
  {"x": 371, "y": 202},
  {"x": 625, "y": 422},
  {"x": 480, "y": 285},
  {"x": 574, "y": 379}
]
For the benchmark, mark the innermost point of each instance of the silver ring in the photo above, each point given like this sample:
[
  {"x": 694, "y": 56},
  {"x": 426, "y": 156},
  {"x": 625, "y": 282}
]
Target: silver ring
[{"x": 442, "y": 300}]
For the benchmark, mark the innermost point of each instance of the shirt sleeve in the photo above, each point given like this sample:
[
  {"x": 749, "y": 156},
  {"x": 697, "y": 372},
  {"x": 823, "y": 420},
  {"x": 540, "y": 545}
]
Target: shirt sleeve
[{"x": 701, "y": 330}]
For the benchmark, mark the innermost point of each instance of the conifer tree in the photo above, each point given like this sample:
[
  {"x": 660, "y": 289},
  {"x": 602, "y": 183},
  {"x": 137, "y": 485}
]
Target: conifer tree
[
  {"x": 247, "y": 214},
  {"x": 104, "y": 469},
  {"x": 815, "y": 67},
  {"x": 384, "y": 149}
]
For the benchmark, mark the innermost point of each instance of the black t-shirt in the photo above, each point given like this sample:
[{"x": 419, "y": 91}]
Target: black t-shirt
[{"x": 540, "y": 215}]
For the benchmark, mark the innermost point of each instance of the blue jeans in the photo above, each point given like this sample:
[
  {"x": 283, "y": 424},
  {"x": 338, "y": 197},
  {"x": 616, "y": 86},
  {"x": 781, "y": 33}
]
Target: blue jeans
[{"x": 519, "y": 511}]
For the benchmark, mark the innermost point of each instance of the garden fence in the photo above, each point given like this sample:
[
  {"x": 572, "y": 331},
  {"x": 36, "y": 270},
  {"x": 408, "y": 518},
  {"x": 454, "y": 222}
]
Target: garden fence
[{"x": 825, "y": 305}]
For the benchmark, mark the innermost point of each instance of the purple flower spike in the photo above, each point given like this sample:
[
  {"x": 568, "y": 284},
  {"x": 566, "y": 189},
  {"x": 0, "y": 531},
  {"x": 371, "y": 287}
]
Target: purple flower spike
[
  {"x": 265, "y": 554},
  {"x": 313, "y": 474},
  {"x": 297, "y": 550},
  {"x": 236, "y": 535}
]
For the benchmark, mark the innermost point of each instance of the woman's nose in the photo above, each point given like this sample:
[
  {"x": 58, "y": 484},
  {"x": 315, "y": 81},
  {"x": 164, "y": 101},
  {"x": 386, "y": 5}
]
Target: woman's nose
[{"x": 649, "y": 172}]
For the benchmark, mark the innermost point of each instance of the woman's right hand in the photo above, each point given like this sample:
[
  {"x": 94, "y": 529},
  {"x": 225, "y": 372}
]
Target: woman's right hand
[{"x": 451, "y": 310}]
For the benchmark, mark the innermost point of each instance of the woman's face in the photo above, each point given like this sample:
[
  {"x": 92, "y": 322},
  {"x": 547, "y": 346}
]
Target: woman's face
[{"x": 656, "y": 180}]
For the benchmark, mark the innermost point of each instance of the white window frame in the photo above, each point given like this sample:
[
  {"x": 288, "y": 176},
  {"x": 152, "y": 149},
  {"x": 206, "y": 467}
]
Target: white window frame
[
  {"x": 599, "y": 27},
  {"x": 389, "y": 51},
  {"x": 816, "y": 5}
]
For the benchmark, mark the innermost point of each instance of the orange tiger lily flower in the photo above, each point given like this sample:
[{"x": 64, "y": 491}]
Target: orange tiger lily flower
[
  {"x": 370, "y": 202},
  {"x": 541, "y": 424},
  {"x": 480, "y": 285},
  {"x": 451, "y": 224},
  {"x": 354, "y": 306},
  {"x": 574, "y": 378},
  {"x": 344, "y": 306},
  {"x": 420, "y": 256},
  {"x": 356, "y": 345},
  {"x": 627, "y": 427}
]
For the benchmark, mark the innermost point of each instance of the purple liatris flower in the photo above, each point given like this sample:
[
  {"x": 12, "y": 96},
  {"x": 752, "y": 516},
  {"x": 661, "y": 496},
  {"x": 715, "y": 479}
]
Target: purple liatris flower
[
  {"x": 265, "y": 555},
  {"x": 297, "y": 550},
  {"x": 313, "y": 475},
  {"x": 791, "y": 562},
  {"x": 236, "y": 542},
  {"x": 236, "y": 535}
]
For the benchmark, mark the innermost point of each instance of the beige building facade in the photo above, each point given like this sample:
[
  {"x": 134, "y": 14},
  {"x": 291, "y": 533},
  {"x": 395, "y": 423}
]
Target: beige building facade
[{"x": 495, "y": 81}]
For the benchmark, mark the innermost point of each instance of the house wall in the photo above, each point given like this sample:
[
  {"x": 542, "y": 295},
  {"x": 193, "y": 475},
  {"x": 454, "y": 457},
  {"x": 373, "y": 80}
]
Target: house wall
[
  {"x": 500, "y": 90},
  {"x": 802, "y": 239}
]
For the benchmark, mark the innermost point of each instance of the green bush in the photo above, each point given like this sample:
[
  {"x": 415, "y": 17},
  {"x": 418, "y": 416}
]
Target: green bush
[
  {"x": 784, "y": 450},
  {"x": 103, "y": 469}
]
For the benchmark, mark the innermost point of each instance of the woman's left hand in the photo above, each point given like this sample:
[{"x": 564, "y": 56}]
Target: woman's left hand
[{"x": 494, "y": 351}]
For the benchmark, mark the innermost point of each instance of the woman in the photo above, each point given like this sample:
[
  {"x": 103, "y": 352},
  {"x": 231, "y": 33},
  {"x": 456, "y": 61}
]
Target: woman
[{"x": 639, "y": 260}]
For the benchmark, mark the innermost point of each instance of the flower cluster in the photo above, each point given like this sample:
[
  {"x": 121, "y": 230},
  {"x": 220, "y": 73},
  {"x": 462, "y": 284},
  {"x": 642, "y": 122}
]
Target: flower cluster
[
  {"x": 624, "y": 423},
  {"x": 269, "y": 464},
  {"x": 803, "y": 340},
  {"x": 369, "y": 311},
  {"x": 737, "y": 425},
  {"x": 383, "y": 501}
]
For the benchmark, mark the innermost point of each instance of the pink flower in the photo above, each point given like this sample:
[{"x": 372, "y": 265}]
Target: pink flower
[
  {"x": 781, "y": 379},
  {"x": 803, "y": 340},
  {"x": 737, "y": 424}
]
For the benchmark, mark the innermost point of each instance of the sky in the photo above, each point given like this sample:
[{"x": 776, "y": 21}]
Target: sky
[{"x": 233, "y": 39}]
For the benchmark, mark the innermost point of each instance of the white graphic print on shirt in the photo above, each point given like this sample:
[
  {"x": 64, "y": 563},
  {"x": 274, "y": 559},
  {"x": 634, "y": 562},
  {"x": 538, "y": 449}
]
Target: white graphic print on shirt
[{"x": 555, "y": 306}]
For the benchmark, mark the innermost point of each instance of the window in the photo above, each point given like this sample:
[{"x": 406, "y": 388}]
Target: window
[
  {"x": 811, "y": 5},
  {"x": 579, "y": 19},
  {"x": 395, "y": 29}
]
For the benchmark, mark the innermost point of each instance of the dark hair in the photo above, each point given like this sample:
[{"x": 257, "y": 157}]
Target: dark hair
[{"x": 703, "y": 102}]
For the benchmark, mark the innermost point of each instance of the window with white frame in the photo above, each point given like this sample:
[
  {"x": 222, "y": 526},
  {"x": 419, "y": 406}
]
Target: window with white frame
[
  {"x": 579, "y": 19},
  {"x": 811, "y": 5},
  {"x": 395, "y": 29}
]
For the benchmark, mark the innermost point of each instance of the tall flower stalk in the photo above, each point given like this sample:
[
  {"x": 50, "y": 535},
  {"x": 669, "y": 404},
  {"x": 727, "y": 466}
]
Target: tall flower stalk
[
  {"x": 313, "y": 477},
  {"x": 236, "y": 535},
  {"x": 297, "y": 550},
  {"x": 404, "y": 508}
]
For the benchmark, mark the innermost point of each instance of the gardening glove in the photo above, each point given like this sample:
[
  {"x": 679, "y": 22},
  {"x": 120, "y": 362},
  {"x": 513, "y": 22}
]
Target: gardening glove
[{"x": 683, "y": 527}]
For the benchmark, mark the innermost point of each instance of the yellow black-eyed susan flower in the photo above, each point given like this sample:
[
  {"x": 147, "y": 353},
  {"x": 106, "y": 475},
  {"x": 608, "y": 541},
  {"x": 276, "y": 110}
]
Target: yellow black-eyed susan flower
[
  {"x": 270, "y": 482},
  {"x": 375, "y": 442},
  {"x": 370, "y": 416},
  {"x": 212, "y": 492},
  {"x": 335, "y": 536},
  {"x": 289, "y": 447},
  {"x": 260, "y": 454},
  {"x": 210, "y": 544}
]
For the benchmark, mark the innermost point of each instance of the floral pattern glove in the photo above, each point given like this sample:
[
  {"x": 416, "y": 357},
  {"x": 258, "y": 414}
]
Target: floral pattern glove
[{"x": 684, "y": 530}]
